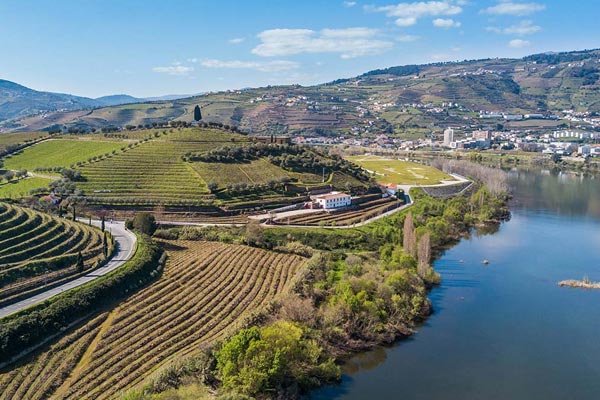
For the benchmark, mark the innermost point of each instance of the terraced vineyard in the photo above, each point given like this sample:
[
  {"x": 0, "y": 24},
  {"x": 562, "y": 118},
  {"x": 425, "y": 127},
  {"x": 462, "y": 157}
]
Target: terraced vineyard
[
  {"x": 206, "y": 290},
  {"x": 154, "y": 172},
  {"x": 8, "y": 140},
  {"x": 255, "y": 172},
  {"x": 59, "y": 153},
  {"x": 38, "y": 249},
  {"x": 349, "y": 216}
]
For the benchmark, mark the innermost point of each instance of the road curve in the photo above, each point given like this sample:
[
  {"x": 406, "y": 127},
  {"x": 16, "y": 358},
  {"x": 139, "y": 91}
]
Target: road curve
[{"x": 125, "y": 250}]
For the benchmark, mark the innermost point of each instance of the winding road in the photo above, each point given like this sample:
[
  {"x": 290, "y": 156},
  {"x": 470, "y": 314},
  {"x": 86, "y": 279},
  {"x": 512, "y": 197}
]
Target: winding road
[{"x": 126, "y": 248}]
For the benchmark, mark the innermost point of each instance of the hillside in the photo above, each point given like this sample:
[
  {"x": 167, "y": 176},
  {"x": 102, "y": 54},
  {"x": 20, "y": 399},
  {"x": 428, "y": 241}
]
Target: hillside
[
  {"x": 18, "y": 102},
  {"x": 38, "y": 249},
  {"x": 397, "y": 99},
  {"x": 207, "y": 168}
]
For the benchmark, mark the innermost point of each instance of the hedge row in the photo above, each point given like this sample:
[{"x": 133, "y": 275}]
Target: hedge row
[
  {"x": 35, "y": 268},
  {"x": 29, "y": 327}
]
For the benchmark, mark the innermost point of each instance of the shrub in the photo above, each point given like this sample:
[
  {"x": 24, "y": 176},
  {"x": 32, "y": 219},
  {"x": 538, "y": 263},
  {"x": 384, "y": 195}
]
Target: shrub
[{"x": 144, "y": 223}]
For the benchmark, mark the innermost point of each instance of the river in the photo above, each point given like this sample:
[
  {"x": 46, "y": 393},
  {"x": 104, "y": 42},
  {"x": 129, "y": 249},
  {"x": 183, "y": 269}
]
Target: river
[{"x": 504, "y": 330}]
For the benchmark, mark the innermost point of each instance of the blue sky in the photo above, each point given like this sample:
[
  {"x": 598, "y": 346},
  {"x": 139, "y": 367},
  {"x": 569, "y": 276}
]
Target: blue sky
[{"x": 146, "y": 48}]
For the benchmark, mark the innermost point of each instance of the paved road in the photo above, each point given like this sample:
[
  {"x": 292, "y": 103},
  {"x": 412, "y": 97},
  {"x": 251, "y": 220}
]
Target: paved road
[{"x": 126, "y": 248}]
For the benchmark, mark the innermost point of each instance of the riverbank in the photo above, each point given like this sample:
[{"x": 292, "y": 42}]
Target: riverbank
[{"x": 583, "y": 284}]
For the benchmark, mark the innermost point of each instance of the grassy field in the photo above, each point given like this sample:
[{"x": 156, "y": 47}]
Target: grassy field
[
  {"x": 59, "y": 153},
  {"x": 206, "y": 291},
  {"x": 8, "y": 139},
  {"x": 389, "y": 170},
  {"x": 17, "y": 189},
  {"x": 36, "y": 249}
]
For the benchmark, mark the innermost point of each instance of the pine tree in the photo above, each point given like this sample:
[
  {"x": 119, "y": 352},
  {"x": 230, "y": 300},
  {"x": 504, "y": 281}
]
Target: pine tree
[
  {"x": 409, "y": 241},
  {"x": 197, "y": 114}
]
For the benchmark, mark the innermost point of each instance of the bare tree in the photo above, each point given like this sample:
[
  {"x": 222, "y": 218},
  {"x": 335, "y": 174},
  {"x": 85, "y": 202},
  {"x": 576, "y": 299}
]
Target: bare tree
[
  {"x": 409, "y": 241},
  {"x": 424, "y": 255}
]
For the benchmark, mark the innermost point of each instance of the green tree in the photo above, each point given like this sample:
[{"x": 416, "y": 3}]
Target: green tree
[
  {"x": 197, "y": 113},
  {"x": 145, "y": 223},
  {"x": 265, "y": 360}
]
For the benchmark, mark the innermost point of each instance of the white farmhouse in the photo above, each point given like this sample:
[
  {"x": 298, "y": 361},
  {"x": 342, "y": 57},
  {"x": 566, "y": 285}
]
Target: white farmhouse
[{"x": 333, "y": 200}]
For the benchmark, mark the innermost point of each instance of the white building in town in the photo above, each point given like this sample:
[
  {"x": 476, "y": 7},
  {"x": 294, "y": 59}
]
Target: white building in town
[
  {"x": 333, "y": 200},
  {"x": 448, "y": 136}
]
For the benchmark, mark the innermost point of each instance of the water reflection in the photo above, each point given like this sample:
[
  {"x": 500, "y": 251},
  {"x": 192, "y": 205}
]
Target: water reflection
[
  {"x": 365, "y": 361},
  {"x": 561, "y": 193}
]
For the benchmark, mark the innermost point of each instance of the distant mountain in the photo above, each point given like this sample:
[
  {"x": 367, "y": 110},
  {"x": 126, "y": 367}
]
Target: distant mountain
[
  {"x": 18, "y": 101},
  {"x": 411, "y": 100},
  {"x": 169, "y": 97},
  {"x": 116, "y": 99}
]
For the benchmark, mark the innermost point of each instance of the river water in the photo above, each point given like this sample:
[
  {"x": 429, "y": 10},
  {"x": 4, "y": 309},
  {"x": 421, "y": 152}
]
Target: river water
[{"x": 504, "y": 330}]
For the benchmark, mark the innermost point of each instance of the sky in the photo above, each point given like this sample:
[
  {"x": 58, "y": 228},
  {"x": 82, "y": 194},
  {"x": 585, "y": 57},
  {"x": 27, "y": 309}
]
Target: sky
[{"x": 149, "y": 48}]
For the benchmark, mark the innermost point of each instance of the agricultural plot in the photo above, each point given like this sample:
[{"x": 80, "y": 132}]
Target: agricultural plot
[
  {"x": 347, "y": 216},
  {"x": 154, "y": 172},
  {"x": 17, "y": 189},
  {"x": 388, "y": 170},
  {"x": 38, "y": 249},
  {"x": 12, "y": 139},
  {"x": 59, "y": 153},
  {"x": 255, "y": 172},
  {"x": 206, "y": 290},
  {"x": 151, "y": 173}
]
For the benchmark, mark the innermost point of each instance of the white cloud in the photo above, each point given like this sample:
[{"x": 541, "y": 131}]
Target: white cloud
[
  {"x": 518, "y": 9},
  {"x": 237, "y": 40},
  {"x": 269, "y": 66},
  {"x": 446, "y": 23},
  {"x": 349, "y": 42},
  {"x": 518, "y": 43},
  {"x": 349, "y": 3},
  {"x": 522, "y": 28},
  {"x": 407, "y": 14},
  {"x": 176, "y": 70},
  {"x": 408, "y": 21},
  {"x": 407, "y": 38},
  {"x": 192, "y": 60}
]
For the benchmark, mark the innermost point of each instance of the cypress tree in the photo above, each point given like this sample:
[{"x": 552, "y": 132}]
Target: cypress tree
[
  {"x": 197, "y": 114},
  {"x": 105, "y": 245},
  {"x": 80, "y": 265}
]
